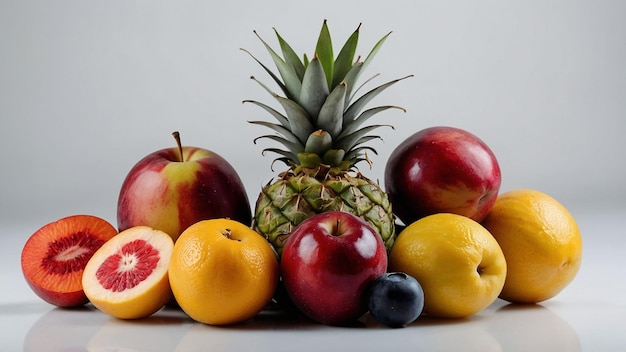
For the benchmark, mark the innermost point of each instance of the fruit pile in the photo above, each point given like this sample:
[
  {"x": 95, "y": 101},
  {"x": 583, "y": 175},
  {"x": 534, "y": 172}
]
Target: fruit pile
[{"x": 323, "y": 239}]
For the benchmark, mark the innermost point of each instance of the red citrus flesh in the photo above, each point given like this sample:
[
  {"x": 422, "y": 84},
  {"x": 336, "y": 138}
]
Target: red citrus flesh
[
  {"x": 125, "y": 269},
  {"x": 54, "y": 257}
]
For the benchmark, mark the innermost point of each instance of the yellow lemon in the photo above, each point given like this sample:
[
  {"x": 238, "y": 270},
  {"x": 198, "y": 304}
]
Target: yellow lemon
[
  {"x": 456, "y": 260},
  {"x": 541, "y": 243},
  {"x": 222, "y": 272}
]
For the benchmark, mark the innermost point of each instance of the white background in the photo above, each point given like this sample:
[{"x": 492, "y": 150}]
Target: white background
[{"x": 87, "y": 88}]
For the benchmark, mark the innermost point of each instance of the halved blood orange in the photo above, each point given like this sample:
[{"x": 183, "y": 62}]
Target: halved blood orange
[
  {"x": 127, "y": 277},
  {"x": 54, "y": 257}
]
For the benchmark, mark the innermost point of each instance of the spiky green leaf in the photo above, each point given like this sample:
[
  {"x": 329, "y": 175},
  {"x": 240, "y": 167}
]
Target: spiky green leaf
[
  {"x": 360, "y": 151},
  {"x": 354, "y": 92},
  {"x": 271, "y": 73},
  {"x": 286, "y": 133},
  {"x": 366, "y": 139},
  {"x": 290, "y": 56},
  {"x": 265, "y": 87},
  {"x": 314, "y": 89},
  {"x": 348, "y": 142},
  {"x": 355, "y": 108},
  {"x": 331, "y": 114},
  {"x": 299, "y": 122},
  {"x": 287, "y": 72},
  {"x": 345, "y": 58},
  {"x": 310, "y": 160},
  {"x": 351, "y": 126},
  {"x": 318, "y": 142},
  {"x": 353, "y": 75},
  {"x": 293, "y": 147},
  {"x": 286, "y": 154},
  {"x": 324, "y": 51},
  {"x": 277, "y": 115},
  {"x": 286, "y": 161},
  {"x": 334, "y": 157}
]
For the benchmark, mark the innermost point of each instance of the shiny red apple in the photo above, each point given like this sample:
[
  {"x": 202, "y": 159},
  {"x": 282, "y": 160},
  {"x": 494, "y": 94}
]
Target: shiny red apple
[
  {"x": 173, "y": 188},
  {"x": 442, "y": 169},
  {"x": 327, "y": 265}
]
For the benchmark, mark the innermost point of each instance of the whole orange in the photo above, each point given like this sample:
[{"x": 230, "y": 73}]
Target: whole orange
[
  {"x": 541, "y": 243},
  {"x": 222, "y": 272}
]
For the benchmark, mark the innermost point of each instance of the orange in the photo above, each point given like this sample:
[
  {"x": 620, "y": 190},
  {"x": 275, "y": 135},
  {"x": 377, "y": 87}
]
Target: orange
[
  {"x": 222, "y": 272},
  {"x": 541, "y": 243},
  {"x": 458, "y": 263}
]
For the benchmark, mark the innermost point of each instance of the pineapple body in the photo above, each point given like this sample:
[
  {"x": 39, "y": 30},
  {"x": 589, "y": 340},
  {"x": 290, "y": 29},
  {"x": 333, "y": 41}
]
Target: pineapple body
[{"x": 294, "y": 197}]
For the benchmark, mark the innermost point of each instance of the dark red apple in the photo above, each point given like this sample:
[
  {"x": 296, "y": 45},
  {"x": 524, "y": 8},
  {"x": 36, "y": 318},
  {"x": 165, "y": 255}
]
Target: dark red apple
[
  {"x": 327, "y": 265},
  {"x": 173, "y": 188},
  {"x": 442, "y": 169}
]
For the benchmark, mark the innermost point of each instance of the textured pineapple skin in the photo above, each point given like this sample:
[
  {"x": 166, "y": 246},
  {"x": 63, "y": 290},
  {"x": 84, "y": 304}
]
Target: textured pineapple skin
[{"x": 289, "y": 200}]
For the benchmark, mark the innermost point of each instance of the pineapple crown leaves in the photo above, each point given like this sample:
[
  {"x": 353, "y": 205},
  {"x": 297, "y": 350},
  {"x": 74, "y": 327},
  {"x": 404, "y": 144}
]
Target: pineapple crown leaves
[{"x": 322, "y": 120}]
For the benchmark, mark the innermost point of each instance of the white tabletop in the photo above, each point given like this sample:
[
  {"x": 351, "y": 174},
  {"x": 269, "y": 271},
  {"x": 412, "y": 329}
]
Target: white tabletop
[{"x": 589, "y": 315}]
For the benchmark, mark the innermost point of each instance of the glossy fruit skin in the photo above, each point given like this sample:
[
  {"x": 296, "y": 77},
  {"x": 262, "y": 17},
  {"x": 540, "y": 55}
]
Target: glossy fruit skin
[
  {"x": 63, "y": 287},
  {"x": 327, "y": 265},
  {"x": 442, "y": 170},
  {"x": 222, "y": 272},
  {"x": 541, "y": 242},
  {"x": 396, "y": 299},
  {"x": 458, "y": 263},
  {"x": 167, "y": 194}
]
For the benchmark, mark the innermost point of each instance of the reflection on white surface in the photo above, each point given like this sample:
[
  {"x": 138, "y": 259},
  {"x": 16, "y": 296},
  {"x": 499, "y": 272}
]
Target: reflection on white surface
[
  {"x": 158, "y": 333},
  {"x": 532, "y": 328},
  {"x": 61, "y": 329},
  {"x": 499, "y": 328}
]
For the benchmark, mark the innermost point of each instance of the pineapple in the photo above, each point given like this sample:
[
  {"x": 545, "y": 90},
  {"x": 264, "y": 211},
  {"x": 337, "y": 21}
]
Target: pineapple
[{"x": 323, "y": 136}]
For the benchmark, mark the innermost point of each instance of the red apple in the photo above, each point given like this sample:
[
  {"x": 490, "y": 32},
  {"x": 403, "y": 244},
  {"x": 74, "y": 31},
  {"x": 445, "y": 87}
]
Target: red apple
[
  {"x": 442, "y": 170},
  {"x": 328, "y": 263},
  {"x": 173, "y": 188}
]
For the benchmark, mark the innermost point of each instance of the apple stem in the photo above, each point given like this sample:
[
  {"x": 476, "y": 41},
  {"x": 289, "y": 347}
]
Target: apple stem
[
  {"x": 180, "y": 146},
  {"x": 336, "y": 228}
]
